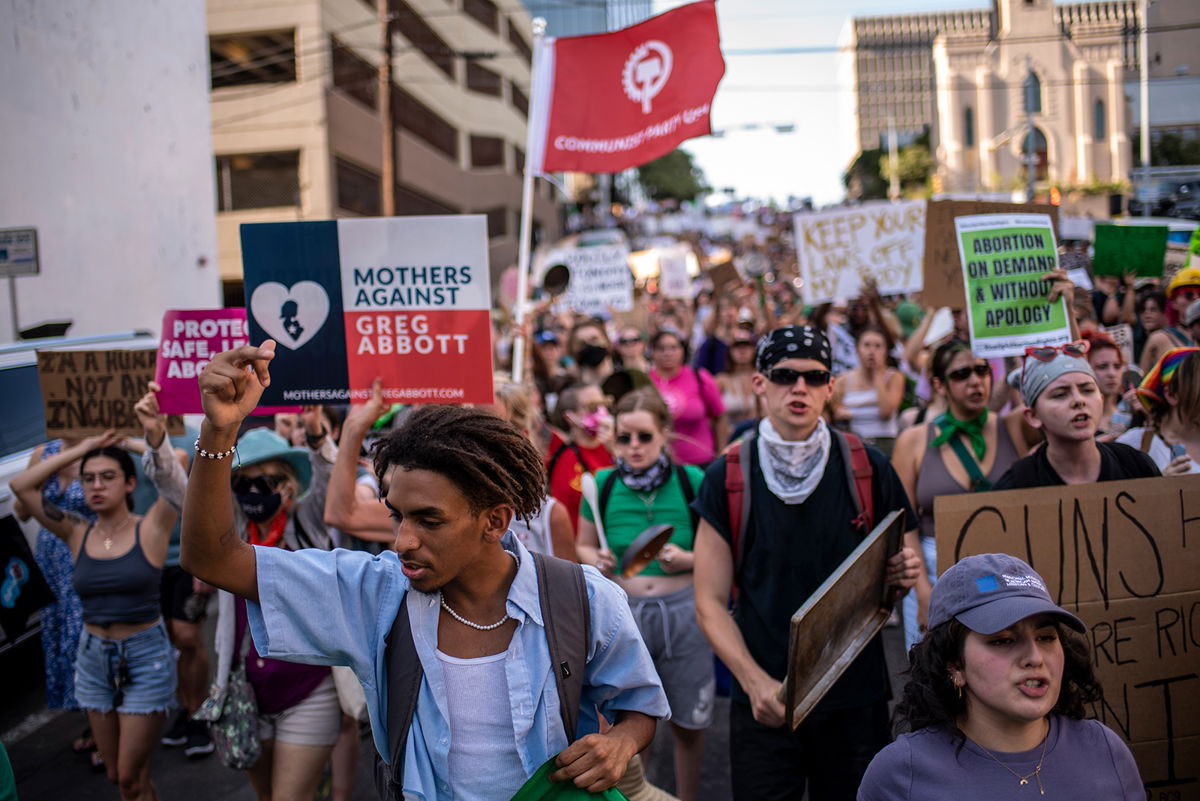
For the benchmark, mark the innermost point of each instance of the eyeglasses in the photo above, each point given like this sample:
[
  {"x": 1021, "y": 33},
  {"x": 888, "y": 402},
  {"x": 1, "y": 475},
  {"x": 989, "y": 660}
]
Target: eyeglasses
[
  {"x": 786, "y": 377},
  {"x": 105, "y": 477},
  {"x": 644, "y": 437},
  {"x": 963, "y": 373},
  {"x": 1048, "y": 353},
  {"x": 265, "y": 484},
  {"x": 629, "y": 341}
]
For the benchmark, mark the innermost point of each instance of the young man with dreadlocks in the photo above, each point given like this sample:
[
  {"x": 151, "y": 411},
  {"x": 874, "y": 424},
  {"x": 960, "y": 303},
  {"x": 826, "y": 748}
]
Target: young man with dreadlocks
[{"x": 487, "y": 709}]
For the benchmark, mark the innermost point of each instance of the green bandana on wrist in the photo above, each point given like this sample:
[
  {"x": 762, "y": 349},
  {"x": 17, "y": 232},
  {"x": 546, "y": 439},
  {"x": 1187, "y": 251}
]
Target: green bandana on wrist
[{"x": 950, "y": 425}]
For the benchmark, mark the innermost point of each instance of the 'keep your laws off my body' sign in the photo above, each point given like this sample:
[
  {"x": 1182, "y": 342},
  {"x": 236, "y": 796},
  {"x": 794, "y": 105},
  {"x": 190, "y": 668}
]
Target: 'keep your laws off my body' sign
[
  {"x": 1125, "y": 557},
  {"x": 406, "y": 299}
]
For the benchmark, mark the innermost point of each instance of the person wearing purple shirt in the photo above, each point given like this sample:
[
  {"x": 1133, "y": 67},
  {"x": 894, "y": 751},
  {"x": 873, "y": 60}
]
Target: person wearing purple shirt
[{"x": 996, "y": 700}]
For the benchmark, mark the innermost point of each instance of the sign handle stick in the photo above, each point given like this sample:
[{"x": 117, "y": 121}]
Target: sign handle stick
[
  {"x": 12, "y": 305},
  {"x": 523, "y": 260}
]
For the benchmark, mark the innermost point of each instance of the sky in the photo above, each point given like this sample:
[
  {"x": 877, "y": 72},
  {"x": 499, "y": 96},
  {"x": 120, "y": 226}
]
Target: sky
[{"x": 811, "y": 91}]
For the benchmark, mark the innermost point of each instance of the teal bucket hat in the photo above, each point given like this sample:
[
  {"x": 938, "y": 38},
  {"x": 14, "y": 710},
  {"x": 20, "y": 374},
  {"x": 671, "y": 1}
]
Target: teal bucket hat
[{"x": 263, "y": 445}]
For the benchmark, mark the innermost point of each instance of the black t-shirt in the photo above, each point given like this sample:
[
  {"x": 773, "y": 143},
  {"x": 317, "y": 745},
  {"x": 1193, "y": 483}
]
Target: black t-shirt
[
  {"x": 1117, "y": 461},
  {"x": 790, "y": 549}
]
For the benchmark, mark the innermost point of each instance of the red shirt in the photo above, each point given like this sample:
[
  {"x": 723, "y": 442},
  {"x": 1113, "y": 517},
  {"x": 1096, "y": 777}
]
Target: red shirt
[{"x": 566, "y": 471}]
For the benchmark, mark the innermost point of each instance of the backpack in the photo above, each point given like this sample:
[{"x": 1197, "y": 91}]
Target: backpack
[
  {"x": 562, "y": 591},
  {"x": 689, "y": 494},
  {"x": 859, "y": 474}
]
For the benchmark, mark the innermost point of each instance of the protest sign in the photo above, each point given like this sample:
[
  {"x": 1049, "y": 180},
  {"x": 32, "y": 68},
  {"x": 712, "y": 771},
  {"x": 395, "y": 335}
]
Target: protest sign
[
  {"x": 190, "y": 338},
  {"x": 1120, "y": 249},
  {"x": 841, "y": 248},
  {"x": 600, "y": 279},
  {"x": 87, "y": 392},
  {"x": 724, "y": 275},
  {"x": 1125, "y": 557},
  {"x": 673, "y": 279},
  {"x": 1123, "y": 335},
  {"x": 1193, "y": 251},
  {"x": 943, "y": 285},
  {"x": 406, "y": 299},
  {"x": 1004, "y": 257}
]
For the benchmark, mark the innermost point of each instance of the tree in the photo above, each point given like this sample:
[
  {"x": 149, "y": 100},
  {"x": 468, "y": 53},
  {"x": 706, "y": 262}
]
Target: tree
[
  {"x": 862, "y": 179},
  {"x": 914, "y": 164},
  {"x": 1168, "y": 150},
  {"x": 673, "y": 176}
]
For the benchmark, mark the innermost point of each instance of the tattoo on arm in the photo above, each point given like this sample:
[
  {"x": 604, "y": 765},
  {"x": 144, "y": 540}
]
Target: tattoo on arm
[{"x": 58, "y": 514}]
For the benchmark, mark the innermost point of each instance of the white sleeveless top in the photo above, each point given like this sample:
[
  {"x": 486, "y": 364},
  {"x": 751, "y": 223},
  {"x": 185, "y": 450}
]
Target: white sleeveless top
[
  {"x": 863, "y": 405},
  {"x": 484, "y": 762}
]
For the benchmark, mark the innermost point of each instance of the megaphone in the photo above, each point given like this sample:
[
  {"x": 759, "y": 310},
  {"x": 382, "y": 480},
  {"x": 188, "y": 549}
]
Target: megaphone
[{"x": 556, "y": 280}]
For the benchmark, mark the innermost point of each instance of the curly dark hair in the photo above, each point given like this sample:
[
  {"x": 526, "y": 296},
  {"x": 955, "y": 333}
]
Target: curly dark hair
[
  {"x": 931, "y": 699},
  {"x": 489, "y": 459}
]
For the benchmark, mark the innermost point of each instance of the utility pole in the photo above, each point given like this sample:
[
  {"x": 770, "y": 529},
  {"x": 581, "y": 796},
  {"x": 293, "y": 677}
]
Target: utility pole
[
  {"x": 1144, "y": 102},
  {"x": 893, "y": 161},
  {"x": 1032, "y": 102},
  {"x": 387, "y": 129}
]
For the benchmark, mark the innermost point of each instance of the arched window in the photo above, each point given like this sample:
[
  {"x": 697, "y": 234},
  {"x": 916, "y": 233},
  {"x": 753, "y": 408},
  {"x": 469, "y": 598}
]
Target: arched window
[
  {"x": 969, "y": 127},
  {"x": 1033, "y": 92},
  {"x": 1040, "y": 154},
  {"x": 1099, "y": 121}
]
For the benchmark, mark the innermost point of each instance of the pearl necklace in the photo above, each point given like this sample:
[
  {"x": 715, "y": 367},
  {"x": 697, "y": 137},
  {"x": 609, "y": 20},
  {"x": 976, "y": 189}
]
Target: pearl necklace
[{"x": 472, "y": 624}]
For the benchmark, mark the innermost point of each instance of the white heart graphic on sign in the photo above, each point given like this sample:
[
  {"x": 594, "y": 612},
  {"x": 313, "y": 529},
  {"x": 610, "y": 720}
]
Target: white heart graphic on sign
[{"x": 291, "y": 316}]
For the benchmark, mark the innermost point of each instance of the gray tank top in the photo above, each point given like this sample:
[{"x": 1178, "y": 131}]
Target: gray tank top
[
  {"x": 121, "y": 590},
  {"x": 934, "y": 479}
]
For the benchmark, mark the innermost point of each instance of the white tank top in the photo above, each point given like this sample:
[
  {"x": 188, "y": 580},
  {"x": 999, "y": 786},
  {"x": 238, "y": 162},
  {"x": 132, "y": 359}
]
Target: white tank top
[
  {"x": 484, "y": 762},
  {"x": 863, "y": 405}
]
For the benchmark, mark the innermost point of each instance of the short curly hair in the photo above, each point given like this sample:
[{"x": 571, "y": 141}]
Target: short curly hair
[
  {"x": 931, "y": 699},
  {"x": 489, "y": 459}
]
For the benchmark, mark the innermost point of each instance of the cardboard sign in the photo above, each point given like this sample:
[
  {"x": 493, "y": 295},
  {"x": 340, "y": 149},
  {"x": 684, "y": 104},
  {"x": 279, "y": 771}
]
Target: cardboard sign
[
  {"x": 673, "y": 278},
  {"x": 725, "y": 277},
  {"x": 1004, "y": 257},
  {"x": 943, "y": 285},
  {"x": 1123, "y": 335},
  {"x": 406, "y": 299},
  {"x": 600, "y": 279},
  {"x": 87, "y": 392},
  {"x": 1139, "y": 249},
  {"x": 1125, "y": 557},
  {"x": 841, "y": 248}
]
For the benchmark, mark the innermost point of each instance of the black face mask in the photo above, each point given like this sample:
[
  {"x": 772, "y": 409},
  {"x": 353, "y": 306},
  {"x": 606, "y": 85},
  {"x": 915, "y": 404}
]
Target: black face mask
[
  {"x": 591, "y": 355},
  {"x": 259, "y": 506}
]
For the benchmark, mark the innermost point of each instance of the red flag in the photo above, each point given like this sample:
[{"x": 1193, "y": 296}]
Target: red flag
[{"x": 616, "y": 100}]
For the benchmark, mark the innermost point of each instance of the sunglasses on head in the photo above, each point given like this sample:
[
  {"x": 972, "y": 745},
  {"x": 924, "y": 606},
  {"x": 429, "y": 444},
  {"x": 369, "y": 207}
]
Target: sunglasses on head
[
  {"x": 264, "y": 485},
  {"x": 786, "y": 377},
  {"x": 1048, "y": 353},
  {"x": 644, "y": 437},
  {"x": 963, "y": 373}
]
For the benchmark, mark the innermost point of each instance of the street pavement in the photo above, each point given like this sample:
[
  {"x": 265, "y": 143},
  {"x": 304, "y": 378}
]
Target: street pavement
[{"x": 38, "y": 742}]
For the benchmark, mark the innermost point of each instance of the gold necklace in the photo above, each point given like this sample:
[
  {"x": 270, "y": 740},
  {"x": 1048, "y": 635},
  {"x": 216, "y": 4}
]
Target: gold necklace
[
  {"x": 1036, "y": 773},
  {"x": 108, "y": 540}
]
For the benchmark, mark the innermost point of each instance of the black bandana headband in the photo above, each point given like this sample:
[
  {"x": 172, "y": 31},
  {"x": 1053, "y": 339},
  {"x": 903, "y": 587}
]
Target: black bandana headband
[{"x": 793, "y": 342}]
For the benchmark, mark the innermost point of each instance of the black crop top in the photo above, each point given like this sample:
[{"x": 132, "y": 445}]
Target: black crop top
[{"x": 120, "y": 590}]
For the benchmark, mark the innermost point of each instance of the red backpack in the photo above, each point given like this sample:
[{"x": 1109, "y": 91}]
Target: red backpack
[{"x": 737, "y": 478}]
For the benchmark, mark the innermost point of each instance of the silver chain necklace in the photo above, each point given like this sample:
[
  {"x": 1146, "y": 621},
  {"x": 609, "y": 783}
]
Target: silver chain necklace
[{"x": 472, "y": 624}]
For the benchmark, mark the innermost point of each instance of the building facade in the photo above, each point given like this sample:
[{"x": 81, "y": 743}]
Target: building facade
[
  {"x": 595, "y": 16},
  {"x": 297, "y": 134}
]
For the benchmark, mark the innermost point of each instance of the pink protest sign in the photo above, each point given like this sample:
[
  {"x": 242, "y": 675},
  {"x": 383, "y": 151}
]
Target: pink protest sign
[{"x": 190, "y": 338}]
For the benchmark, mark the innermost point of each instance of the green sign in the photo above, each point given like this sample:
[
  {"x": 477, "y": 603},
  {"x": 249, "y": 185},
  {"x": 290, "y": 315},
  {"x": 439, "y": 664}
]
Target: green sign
[
  {"x": 1138, "y": 249},
  {"x": 1004, "y": 257},
  {"x": 1194, "y": 247}
]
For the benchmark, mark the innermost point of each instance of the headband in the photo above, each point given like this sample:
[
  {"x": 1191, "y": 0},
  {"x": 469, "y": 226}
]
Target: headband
[{"x": 792, "y": 342}]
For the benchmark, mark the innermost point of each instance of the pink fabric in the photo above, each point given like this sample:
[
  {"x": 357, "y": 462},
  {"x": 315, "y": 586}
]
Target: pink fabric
[{"x": 694, "y": 400}]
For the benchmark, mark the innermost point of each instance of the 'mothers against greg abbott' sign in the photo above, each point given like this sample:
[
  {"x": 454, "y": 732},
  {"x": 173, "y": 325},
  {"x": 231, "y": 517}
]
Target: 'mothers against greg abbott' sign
[{"x": 406, "y": 299}]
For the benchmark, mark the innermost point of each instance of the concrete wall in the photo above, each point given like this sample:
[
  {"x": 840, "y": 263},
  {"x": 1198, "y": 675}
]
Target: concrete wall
[{"x": 105, "y": 148}]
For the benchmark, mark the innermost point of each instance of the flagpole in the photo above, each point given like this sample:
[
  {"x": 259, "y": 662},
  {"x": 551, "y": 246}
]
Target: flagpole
[{"x": 526, "y": 235}]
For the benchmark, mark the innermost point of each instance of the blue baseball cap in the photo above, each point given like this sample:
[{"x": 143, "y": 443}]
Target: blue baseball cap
[
  {"x": 544, "y": 336},
  {"x": 989, "y": 592}
]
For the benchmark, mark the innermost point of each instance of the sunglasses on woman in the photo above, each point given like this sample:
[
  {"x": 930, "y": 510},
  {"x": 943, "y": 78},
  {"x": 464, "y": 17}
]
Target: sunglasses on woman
[
  {"x": 644, "y": 437},
  {"x": 265, "y": 484},
  {"x": 1048, "y": 353},
  {"x": 963, "y": 373},
  {"x": 786, "y": 377},
  {"x": 629, "y": 341}
]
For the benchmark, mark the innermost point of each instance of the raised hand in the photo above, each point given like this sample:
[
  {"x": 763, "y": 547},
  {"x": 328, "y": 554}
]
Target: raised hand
[
  {"x": 154, "y": 423},
  {"x": 364, "y": 415},
  {"x": 233, "y": 382}
]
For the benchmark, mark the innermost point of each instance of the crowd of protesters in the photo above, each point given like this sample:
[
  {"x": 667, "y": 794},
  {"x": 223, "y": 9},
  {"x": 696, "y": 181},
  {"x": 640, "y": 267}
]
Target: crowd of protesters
[{"x": 730, "y": 426}]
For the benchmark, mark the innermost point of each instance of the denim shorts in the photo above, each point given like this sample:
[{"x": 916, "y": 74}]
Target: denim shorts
[{"x": 135, "y": 676}]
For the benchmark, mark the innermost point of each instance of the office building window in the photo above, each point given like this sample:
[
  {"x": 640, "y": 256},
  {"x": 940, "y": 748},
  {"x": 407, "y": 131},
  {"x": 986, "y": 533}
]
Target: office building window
[
  {"x": 420, "y": 120},
  {"x": 409, "y": 201},
  {"x": 358, "y": 189},
  {"x": 520, "y": 100},
  {"x": 518, "y": 42},
  {"x": 258, "y": 180},
  {"x": 487, "y": 151},
  {"x": 484, "y": 12},
  {"x": 497, "y": 222},
  {"x": 1099, "y": 121},
  {"x": 969, "y": 127},
  {"x": 412, "y": 26},
  {"x": 481, "y": 79},
  {"x": 519, "y": 160},
  {"x": 354, "y": 75},
  {"x": 242, "y": 59}
]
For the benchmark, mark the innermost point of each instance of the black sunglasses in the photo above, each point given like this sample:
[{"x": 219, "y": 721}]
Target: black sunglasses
[
  {"x": 644, "y": 437},
  {"x": 963, "y": 373},
  {"x": 629, "y": 341},
  {"x": 265, "y": 485},
  {"x": 786, "y": 377}
]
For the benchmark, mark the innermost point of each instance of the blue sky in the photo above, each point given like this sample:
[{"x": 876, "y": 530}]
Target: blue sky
[{"x": 810, "y": 91}]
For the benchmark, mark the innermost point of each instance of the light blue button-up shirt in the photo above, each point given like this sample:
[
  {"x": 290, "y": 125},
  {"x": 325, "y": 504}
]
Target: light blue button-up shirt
[{"x": 337, "y": 608}]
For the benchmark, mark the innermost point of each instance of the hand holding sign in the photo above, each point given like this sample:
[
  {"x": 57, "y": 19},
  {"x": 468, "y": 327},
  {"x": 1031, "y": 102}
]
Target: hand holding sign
[
  {"x": 232, "y": 383},
  {"x": 154, "y": 423}
]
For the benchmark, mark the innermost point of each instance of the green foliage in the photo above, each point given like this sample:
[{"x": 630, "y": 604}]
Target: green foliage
[
  {"x": 915, "y": 164},
  {"x": 1168, "y": 150},
  {"x": 673, "y": 176},
  {"x": 862, "y": 179}
]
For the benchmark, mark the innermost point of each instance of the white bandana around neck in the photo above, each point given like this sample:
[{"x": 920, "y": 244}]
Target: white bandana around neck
[{"x": 792, "y": 469}]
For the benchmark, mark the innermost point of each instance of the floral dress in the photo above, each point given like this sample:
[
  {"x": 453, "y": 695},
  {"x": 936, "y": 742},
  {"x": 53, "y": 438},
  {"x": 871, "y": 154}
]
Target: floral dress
[{"x": 61, "y": 621}]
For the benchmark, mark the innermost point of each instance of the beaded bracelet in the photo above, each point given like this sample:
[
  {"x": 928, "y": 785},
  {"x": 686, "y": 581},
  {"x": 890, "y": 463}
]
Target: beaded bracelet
[{"x": 216, "y": 456}]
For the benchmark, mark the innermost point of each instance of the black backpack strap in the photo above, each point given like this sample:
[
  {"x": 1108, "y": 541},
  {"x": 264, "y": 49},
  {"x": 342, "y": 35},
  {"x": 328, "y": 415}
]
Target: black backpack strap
[
  {"x": 404, "y": 675},
  {"x": 606, "y": 492},
  {"x": 689, "y": 494},
  {"x": 562, "y": 590}
]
